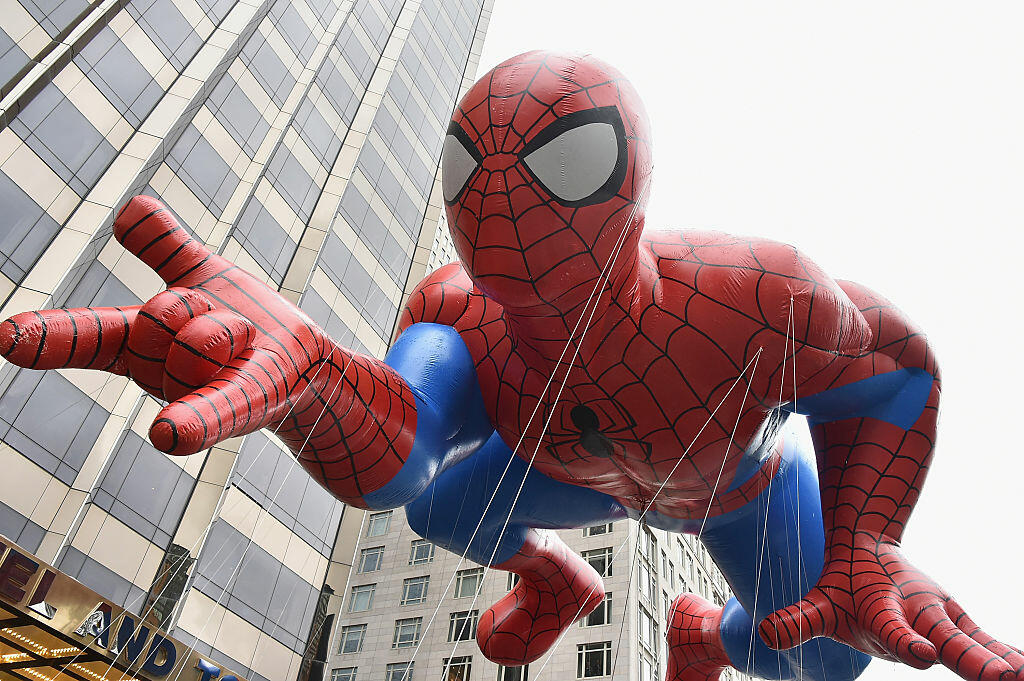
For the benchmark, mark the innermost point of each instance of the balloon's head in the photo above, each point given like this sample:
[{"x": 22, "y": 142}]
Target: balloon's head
[{"x": 544, "y": 175}]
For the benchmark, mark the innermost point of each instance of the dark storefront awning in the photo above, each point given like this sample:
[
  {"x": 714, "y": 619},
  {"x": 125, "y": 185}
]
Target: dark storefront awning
[{"x": 52, "y": 628}]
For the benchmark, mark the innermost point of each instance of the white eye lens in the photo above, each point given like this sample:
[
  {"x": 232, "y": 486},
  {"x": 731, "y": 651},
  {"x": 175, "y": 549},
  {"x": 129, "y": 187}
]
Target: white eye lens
[
  {"x": 457, "y": 165},
  {"x": 578, "y": 162}
]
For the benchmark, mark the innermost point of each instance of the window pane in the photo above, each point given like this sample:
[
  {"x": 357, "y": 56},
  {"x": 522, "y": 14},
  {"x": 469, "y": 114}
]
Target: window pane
[
  {"x": 593, "y": 659},
  {"x": 144, "y": 490},
  {"x": 378, "y": 523},
  {"x": 514, "y": 673},
  {"x": 647, "y": 669},
  {"x": 456, "y": 668},
  {"x": 352, "y": 638},
  {"x": 370, "y": 560},
  {"x": 27, "y": 230},
  {"x": 399, "y": 671},
  {"x": 171, "y": 31},
  {"x": 203, "y": 170},
  {"x": 645, "y": 580},
  {"x": 344, "y": 674},
  {"x": 422, "y": 551},
  {"x": 462, "y": 625},
  {"x": 469, "y": 582},
  {"x": 601, "y": 615},
  {"x": 600, "y": 560},
  {"x": 647, "y": 629},
  {"x": 50, "y": 421},
  {"x": 236, "y": 112},
  {"x": 115, "y": 71},
  {"x": 414, "y": 590},
  {"x": 362, "y": 598},
  {"x": 265, "y": 239},
  {"x": 513, "y": 579},
  {"x": 407, "y": 632},
  {"x": 58, "y": 132}
]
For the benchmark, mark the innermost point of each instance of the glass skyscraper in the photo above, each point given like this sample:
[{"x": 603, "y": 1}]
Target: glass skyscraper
[{"x": 299, "y": 138}]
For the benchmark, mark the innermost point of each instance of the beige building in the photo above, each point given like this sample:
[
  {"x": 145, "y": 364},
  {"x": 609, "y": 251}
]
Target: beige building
[{"x": 299, "y": 138}]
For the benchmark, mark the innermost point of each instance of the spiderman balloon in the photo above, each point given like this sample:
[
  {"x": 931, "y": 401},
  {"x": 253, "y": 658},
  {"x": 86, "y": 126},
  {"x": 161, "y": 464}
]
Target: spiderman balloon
[{"x": 575, "y": 369}]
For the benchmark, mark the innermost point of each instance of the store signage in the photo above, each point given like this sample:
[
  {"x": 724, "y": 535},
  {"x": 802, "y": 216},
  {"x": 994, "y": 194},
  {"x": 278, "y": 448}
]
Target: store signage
[
  {"x": 62, "y": 605},
  {"x": 131, "y": 640}
]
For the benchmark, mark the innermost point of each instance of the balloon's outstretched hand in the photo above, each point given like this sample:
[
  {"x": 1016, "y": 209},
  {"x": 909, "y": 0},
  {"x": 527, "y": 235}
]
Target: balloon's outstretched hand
[
  {"x": 871, "y": 598},
  {"x": 228, "y": 353}
]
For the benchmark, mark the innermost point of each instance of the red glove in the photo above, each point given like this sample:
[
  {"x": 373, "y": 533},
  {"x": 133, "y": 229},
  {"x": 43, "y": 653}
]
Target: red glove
[
  {"x": 891, "y": 610},
  {"x": 231, "y": 356},
  {"x": 869, "y": 596}
]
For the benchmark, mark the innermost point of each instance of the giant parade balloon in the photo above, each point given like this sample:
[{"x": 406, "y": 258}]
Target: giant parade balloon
[{"x": 577, "y": 367}]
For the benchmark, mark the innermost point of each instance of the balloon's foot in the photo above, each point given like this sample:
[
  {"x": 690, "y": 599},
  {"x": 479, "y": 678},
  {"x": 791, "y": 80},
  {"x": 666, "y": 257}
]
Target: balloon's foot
[
  {"x": 695, "y": 650},
  {"x": 556, "y": 588}
]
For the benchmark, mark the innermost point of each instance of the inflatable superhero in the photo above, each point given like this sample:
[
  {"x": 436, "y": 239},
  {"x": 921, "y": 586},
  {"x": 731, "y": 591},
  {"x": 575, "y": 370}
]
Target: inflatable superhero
[{"x": 616, "y": 372}]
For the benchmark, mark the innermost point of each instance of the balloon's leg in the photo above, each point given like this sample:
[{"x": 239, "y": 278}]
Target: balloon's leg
[
  {"x": 772, "y": 553},
  {"x": 495, "y": 512}
]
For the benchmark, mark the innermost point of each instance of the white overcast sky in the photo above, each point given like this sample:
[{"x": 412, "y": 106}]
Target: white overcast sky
[{"x": 886, "y": 140}]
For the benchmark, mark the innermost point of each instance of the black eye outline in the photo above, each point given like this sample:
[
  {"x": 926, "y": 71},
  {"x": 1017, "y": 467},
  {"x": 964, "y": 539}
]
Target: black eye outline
[
  {"x": 456, "y": 131},
  {"x": 603, "y": 114}
]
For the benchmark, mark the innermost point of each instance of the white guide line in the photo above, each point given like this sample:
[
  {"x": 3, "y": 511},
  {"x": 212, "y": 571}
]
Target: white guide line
[
  {"x": 752, "y": 365},
  {"x": 768, "y": 500},
  {"x": 250, "y": 539},
  {"x": 714, "y": 491},
  {"x": 598, "y": 285},
  {"x": 551, "y": 415},
  {"x": 92, "y": 394},
  {"x": 263, "y": 513},
  {"x": 293, "y": 462}
]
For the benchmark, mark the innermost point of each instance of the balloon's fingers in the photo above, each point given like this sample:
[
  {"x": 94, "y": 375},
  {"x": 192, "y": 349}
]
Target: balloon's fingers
[
  {"x": 202, "y": 348},
  {"x": 73, "y": 338},
  {"x": 163, "y": 316},
  {"x": 145, "y": 227},
  {"x": 1013, "y": 656},
  {"x": 959, "y": 652},
  {"x": 809, "y": 618},
  {"x": 246, "y": 395},
  {"x": 889, "y": 624}
]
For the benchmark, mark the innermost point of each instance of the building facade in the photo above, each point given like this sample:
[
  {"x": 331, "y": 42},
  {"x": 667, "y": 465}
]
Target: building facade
[
  {"x": 412, "y": 608},
  {"x": 299, "y": 138}
]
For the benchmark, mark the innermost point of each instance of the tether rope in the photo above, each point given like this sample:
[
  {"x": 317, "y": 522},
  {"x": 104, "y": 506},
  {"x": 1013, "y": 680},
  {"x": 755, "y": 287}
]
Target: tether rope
[
  {"x": 598, "y": 285},
  {"x": 752, "y": 364}
]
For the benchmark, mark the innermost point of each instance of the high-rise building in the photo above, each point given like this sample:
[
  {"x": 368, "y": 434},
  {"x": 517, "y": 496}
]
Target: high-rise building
[
  {"x": 299, "y": 138},
  {"x": 409, "y": 607}
]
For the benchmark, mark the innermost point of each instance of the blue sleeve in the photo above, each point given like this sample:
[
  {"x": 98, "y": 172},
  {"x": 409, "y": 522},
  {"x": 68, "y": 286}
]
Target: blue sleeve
[
  {"x": 451, "y": 422},
  {"x": 896, "y": 397}
]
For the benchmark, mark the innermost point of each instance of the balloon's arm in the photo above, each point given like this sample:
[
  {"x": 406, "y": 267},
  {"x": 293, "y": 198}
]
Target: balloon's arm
[
  {"x": 230, "y": 356},
  {"x": 450, "y": 420},
  {"x": 388, "y": 428},
  {"x": 874, "y": 432},
  {"x": 397, "y": 424}
]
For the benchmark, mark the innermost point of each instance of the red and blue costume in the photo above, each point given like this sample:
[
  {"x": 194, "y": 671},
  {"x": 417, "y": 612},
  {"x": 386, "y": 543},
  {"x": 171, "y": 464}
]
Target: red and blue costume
[{"x": 615, "y": 372}]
